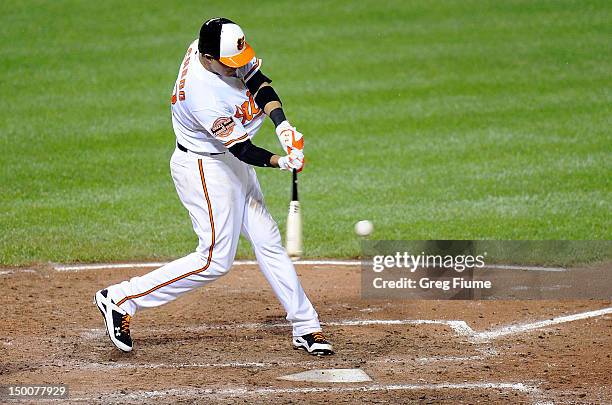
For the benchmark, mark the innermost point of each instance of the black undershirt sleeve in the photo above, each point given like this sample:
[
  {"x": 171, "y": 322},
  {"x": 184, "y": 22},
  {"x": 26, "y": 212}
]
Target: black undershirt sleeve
[
  {"x": 251, "y": 154},
  {"x": 265, "y": 95},
  {"x": 255, "y": 81}
]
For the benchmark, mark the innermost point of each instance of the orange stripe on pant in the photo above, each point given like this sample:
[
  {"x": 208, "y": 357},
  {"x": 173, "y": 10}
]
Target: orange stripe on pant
[{"x": 210, "y": 250}]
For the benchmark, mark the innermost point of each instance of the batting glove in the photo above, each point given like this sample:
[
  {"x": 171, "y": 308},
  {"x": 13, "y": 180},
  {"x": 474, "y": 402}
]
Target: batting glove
[
  {"x": 289, "y": 137},
  {"x": 294, "y": 160}
]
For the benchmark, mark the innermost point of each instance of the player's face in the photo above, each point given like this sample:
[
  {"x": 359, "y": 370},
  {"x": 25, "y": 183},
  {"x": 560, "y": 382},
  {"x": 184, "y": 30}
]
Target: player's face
[{"x": 221, "y": 69}]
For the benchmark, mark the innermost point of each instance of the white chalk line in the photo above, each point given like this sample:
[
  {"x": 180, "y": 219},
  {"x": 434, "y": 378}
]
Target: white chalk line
[
  {"x": 444, "y": 359},
  {"x": 81, "y": 267},
  {"x": 523, "y": 268},
  {"x": 109, "y": 266},
  {"x": 348, "y": 263},
  {"x": 461, "y": 328},
  {"x": 525, "y": 327},
  {"x": 9, "y": 272},
  {"x": 235, "y": 364},
  {"x": 249, "y": 391},
  {"x": 254, "y": 364}
]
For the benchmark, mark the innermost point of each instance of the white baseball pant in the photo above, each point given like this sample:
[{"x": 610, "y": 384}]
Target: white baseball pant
[{"x": 223, "y": 197}]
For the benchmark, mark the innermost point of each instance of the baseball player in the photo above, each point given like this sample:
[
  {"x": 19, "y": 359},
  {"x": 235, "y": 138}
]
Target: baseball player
[{"x": 219, "y": 102}]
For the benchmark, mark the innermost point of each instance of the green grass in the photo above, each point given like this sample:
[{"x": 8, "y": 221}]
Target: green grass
[{"x": 435, "y": 120}]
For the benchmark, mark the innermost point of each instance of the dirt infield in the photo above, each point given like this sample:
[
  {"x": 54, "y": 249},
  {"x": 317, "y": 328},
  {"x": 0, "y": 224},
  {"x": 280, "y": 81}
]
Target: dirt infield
[{"x": 228, "y": 342}]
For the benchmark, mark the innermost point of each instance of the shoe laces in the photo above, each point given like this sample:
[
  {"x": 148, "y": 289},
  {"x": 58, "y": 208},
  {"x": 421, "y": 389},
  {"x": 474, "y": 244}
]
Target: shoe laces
[
  {"x": 318, "y": 337},
  {"x": 125, "y": 324}
]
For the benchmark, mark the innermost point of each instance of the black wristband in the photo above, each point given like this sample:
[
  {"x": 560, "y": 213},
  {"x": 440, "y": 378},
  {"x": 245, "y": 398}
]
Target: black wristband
[
  {"x": 251, "y": 154},
  {"x": 277, "y": 116}
]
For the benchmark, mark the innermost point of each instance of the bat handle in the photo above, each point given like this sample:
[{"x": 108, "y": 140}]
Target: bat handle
[{"x": 294, "y": 189}]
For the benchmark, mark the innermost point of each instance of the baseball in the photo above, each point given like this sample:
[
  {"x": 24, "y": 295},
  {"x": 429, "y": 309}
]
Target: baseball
[{"x": 364, "y": 228}]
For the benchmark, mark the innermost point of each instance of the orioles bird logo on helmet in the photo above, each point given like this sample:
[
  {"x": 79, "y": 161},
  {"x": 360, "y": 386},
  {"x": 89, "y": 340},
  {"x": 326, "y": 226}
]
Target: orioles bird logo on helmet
[{"x": 240, "y": 43}]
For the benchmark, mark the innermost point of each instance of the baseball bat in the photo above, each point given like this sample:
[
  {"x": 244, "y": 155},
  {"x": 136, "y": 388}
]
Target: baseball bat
[{"x": 294, "y": 222}]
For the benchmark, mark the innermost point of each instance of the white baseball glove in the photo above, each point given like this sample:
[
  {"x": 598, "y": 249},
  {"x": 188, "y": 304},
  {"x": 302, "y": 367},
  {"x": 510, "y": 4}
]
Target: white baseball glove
[
  {"x": 294, "y": 160},
  {"x": 289, "y": 137}
]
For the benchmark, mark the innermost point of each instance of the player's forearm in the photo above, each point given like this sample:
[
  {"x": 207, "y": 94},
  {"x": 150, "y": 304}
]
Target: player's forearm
[
  {"x": 270, "y": 102},
  {"x": 272, "y": 106},
  {"x": 254, "y": 155},
  {"x": 274, "y": 161}
]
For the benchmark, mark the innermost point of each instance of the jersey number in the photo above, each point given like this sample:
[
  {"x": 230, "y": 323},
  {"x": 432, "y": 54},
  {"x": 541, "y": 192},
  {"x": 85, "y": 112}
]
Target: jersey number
[{"x": 181, "y": 83}]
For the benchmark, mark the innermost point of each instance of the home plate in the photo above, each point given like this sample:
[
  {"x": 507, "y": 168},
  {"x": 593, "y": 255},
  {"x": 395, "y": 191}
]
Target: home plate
[{"x": 331, "y": 375}]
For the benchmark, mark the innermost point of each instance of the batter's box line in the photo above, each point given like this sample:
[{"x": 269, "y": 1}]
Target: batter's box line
[
  {"x": 461, "y": 328},
  {"x": 514, "y": 329},
  {"x": 97, "y": 366},
  {"x": 341, "y": 263},
  {"x": 248, "y": 391}
]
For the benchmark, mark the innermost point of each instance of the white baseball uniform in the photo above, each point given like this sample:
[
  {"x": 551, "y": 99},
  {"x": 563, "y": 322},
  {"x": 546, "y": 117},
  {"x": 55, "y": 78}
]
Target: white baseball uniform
[{"x": 222, "y": 194}]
